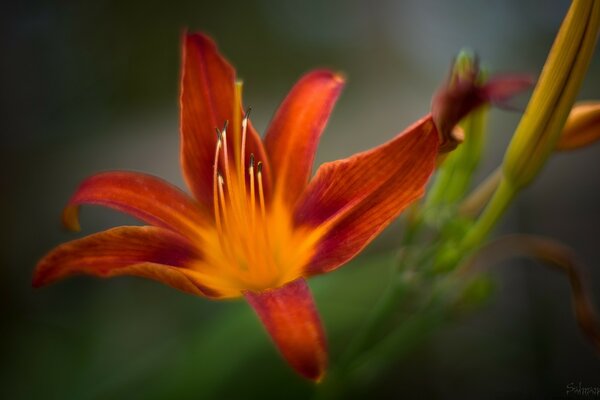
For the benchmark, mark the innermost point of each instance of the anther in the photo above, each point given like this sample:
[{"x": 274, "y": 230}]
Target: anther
[
  {"x": 259, "y": 167},
  {"x": 225, "y": 125},
  {"x": 219, "y": 135},
  {"x": 251, "y": 160}
]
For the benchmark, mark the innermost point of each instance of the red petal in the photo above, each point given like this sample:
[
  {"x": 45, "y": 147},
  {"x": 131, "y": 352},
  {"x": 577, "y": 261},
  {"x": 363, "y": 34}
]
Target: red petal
[
  {"x": 358, "y": 197},
  {"x": 499, "y": 89},
  {"x": 207, "y": 101},
  {"x": 464, "y": 93},
  {"x": 290, "y": 317},
  {"x": 150, "y": 252},
  {"x": 143, "y": 196},
  {"x": 293, "y": 135}
]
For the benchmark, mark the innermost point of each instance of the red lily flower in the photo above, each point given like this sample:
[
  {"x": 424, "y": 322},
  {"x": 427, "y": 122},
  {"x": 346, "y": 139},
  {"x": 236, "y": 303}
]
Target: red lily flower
[{"x": 257, "y": 225}]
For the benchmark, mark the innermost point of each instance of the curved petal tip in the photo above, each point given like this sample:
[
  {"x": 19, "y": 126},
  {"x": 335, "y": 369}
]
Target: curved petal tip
[{"x": 70, "y": 218}]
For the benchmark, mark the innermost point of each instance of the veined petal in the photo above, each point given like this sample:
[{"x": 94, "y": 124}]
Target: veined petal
[
  {"x": 354, "y": 199},
  {"x": 291, "y": 318},
  {"x": 143, "y": 196},
  {"x": 146, "y": 251},
  {"x": 293, "y": 135},
  {"x": 207, "y": 101}
]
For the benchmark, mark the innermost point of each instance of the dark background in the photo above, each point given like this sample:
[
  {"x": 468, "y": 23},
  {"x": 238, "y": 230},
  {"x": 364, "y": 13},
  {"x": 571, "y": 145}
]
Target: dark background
[{"x": 91, "y": 86}]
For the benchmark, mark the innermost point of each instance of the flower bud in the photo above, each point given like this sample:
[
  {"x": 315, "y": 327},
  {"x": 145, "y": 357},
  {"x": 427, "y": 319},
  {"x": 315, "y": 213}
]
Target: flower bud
[
  {"x": 539, "y": 130},
  {"x": 582, "y": 127},
  {"x": 465, "y": 91}
]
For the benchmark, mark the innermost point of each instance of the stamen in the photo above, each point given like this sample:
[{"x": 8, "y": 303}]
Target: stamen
[
  {"x": 261, "y": 194},
  {"x": 237, "y": 124},
  {"x": 225, "y": 155},
  {"x": 252, "y": 196},
  {"x": 243, "y": 152},
  {"x": 270, "y": 264},
  {"x": 222, "y": 198},
  {"x": 235, "y": 199},
  {"x": 215, "y": 184}
]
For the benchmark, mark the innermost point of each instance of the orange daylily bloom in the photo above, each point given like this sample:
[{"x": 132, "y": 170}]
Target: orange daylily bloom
[{"x": 257, "y": 225}]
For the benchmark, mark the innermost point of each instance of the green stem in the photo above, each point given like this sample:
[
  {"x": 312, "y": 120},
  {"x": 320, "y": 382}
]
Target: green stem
[
  {"x": 502, "y": 197},
  {"x": 478, "y": 198},
  {"x": 412, "y": 333},
  {"x": 376, "y": 319}
]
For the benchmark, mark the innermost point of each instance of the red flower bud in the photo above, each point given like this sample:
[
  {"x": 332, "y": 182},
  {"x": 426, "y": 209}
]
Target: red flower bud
[{"x": 465, "y": 91}]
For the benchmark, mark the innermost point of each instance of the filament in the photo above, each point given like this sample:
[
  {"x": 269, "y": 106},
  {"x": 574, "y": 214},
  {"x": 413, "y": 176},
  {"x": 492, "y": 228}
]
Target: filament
[
  {"x": 222, "y": 199},
  {"x": 215, "y": 184},
  {"x": 252, "y": 195},
  {"x": 261, "y": 194},
  {"x": 243, "y": 152}
]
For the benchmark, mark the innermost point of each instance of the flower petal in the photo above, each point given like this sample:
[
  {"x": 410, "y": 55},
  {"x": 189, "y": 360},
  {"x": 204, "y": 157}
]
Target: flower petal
[
  {"x": 291, "y": 318},
  {"x": 352, "y": 200},
  {"x": 293, "y": 135},
  {"x": 143, "y": 196},
  {"x": 207, "y": 101},
  {"x": 146, "y": 251}
]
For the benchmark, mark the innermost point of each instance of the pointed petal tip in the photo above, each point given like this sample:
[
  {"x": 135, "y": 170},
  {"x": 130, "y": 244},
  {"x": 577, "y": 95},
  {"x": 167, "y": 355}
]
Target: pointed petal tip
[
  {"x": 200, "y": 40},
  {"x": 290, "y": 317},
  {"x": 207, "y": 97},
  {"x": 145, "y": 197},
  {"x": 144, "y": 251},
  {"x": 501, "y": 88},
  {"x": 324, "y": 76},
  {"x": 340, "y": 77},
  {"x": 42, "y": 275},
  {"x": 70, "y": 218},
  {"x": 37, "y": 281},
  {"x": 317, "y": 377},
  {"x": 200, "y": 36},
  {"x": 337, "y": 77},
  {"x": 391, "y": 177},
  {"x": 293, "y": 135}
]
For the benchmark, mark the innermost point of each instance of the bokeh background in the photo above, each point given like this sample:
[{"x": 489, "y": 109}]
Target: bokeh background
[{"x": 92, "y": 86}]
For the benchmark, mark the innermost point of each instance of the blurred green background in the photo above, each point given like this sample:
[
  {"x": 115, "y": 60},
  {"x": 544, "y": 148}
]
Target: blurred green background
[{"x": 91, "y": 86}]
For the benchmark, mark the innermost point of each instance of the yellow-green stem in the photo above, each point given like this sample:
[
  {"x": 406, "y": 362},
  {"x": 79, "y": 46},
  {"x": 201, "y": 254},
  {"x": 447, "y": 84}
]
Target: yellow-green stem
[{"x": 500, "y": 201}]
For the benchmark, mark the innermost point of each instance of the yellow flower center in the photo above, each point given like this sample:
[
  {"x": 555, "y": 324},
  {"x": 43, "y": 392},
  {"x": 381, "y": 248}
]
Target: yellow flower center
[{"x": 253, "y": 244}]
